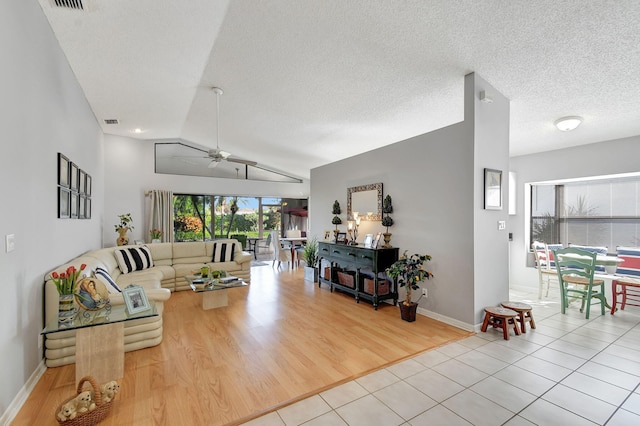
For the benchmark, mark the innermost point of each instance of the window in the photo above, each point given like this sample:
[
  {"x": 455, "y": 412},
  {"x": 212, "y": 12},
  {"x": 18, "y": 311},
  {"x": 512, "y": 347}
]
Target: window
[
  {"x": 602, "y": 212},
  {"x": 206, "y": 217}
]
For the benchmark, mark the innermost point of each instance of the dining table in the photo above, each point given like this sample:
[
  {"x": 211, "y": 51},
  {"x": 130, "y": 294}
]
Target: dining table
[
  {"x": 252, "y": 245},
  {"x": 295, "y": 242}
]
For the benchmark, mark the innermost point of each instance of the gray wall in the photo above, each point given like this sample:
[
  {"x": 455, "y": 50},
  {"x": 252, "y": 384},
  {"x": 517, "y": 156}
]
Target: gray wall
[
  {"x": 435, "y": 181},
  {"x": 42, "y": 112},
  {"x": 598, "y": 159}
]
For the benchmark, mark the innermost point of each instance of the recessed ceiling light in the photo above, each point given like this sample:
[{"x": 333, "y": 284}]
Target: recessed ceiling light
[
  {"x": 138, "y": 130},
  {"x": 568, "y": 123}
]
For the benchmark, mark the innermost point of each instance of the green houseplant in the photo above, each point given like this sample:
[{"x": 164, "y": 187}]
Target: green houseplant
[
  {"x": 122, "y": 228},
  {"x": 336, "y": 219},
  {"x": 311, "y": 258},
  {"x": 408, "y": 271},
  {"x": 387, "y": 221}
]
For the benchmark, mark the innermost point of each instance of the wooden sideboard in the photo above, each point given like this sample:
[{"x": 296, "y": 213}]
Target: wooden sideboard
[{"x": 358, "y": 271}]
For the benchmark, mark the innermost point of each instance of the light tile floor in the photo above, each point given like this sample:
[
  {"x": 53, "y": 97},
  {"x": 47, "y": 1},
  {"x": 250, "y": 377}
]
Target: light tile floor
[{"x": 569, "y": 371}]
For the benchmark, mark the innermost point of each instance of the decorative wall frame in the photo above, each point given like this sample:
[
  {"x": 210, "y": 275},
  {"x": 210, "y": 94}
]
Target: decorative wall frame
[
  {"x": 492, "y": 189},
  {"x": 63, "y": 171},
  {"x": 63, "y": 202},
  {"x": 82, "y": 182},
  {"x": 74, "y": 176},
  {"x": 88, "y": 185},
  {"x": 82, "y": 207},
  {"x": 74, "y": 205},
  {"x": 74, "y": 190},
  {"x": 365, "y": 199}
]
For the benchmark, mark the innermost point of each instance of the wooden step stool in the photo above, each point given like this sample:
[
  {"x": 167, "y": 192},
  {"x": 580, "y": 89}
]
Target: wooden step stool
[
  {"x": 524, "y": 313},
  {"x": 500, "y": 317}
]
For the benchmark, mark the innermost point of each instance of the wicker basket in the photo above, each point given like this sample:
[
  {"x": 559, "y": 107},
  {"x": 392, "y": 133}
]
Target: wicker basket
[
  {"x": 88, "y": 418},
  {"x": 383, "y": 286},
  {"x": 347, "y": 278}
]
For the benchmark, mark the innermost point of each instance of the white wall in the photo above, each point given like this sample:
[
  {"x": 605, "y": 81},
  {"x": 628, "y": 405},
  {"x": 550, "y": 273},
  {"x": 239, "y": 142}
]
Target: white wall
[
  {"x": 130, "y": 172},
  {"x": 42, "y": 112},
  {"x": 598, "y": 159},
  {"x": 433, "y": 181}
]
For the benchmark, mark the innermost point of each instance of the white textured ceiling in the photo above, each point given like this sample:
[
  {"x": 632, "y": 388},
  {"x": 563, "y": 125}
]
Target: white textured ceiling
[{"x": 308, "y": 82}]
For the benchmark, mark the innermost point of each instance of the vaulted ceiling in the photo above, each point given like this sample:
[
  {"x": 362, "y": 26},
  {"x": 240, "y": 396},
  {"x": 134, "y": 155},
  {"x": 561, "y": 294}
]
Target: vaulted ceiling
[{"x": 308, "y": 82}]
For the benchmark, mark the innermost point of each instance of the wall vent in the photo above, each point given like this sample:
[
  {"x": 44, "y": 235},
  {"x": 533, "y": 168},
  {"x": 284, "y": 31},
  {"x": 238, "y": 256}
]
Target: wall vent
[
  {"x": 70, "y": 4},
  {"x": 111, "y": 121}
]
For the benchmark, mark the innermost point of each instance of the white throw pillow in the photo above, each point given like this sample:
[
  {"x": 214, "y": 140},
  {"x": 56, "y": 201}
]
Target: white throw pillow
[
  {"x": 106, "y": 279},
  {"x": 223, "y": 252},
  {"x": 133, "y": 259}
]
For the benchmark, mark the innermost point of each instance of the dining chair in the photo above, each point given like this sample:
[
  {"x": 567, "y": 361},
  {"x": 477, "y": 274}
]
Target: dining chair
[
  {"x": 575, "y": 268},
  {"x": 266, "y": 244},
  {"x": 546, "y": 273},
  {"x": 280, "y": 254},
  {"x": 627, "y": 286}
]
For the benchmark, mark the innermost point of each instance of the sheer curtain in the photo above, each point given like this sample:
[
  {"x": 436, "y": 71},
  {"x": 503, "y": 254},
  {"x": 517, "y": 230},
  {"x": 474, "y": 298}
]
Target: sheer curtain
[{"x": 160, "y": 213}]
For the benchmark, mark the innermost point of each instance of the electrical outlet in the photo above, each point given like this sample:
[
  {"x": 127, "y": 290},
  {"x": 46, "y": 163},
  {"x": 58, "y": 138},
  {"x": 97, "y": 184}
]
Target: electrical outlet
[{"x": 424, "y": 292}]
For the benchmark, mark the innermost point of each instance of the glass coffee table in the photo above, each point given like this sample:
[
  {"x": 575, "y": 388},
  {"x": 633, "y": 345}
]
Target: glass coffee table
[{"x": 214, "y": 293}]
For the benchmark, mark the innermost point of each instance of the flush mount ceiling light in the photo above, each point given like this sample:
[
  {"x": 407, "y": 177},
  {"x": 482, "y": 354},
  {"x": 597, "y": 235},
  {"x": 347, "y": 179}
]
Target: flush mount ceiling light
[{"x": 565, "y": 124}]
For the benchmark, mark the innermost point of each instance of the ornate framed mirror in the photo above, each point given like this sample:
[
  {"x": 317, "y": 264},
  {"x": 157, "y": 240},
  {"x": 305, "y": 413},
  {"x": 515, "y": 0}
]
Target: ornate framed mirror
[{"x": 366, "y": 200}]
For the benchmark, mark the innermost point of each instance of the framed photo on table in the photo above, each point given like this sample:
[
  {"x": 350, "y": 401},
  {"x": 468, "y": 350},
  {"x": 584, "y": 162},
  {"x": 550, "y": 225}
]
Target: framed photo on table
[
  {"x": 492, "y": 189},
  {"x": 368, "y": 240},
  {"x": 341, "y": 238},
  {"x": 376, "y": 240},
  {"x": 135, "y": 298}
]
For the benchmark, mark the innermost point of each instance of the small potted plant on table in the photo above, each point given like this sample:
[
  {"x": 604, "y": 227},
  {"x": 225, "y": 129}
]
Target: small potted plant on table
[{"x": 409, "y": 271}]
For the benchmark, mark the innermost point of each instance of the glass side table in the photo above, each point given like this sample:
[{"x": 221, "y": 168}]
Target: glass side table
[{"x": 100, "y": 340}]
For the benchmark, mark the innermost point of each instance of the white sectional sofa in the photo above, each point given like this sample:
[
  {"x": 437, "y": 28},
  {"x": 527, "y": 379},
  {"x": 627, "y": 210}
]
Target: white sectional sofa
[{"x": 171, "y": 263}]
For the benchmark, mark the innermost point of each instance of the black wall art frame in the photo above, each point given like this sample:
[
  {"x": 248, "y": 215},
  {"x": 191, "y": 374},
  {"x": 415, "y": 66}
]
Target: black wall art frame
[
  {"x": 492, "y": 189},
  {"x": 63, "y": 171},
  {"x": 74, "y": 190}
]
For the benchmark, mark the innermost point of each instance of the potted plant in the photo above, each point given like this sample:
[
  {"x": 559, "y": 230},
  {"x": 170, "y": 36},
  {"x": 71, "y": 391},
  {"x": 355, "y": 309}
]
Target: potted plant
[
  {"x": 387, "y": 221},
  {"x": 66, "y": 285},
  {"x": 156, "y": 235},
  {"x": 311, "y": 258},
  {"x": 408, "y": 271},
  {"x": 336, "y": 219},
  {"x": 122, "y": 228}
]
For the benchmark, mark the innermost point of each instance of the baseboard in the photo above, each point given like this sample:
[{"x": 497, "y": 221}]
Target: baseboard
[
  {"x": 445, "y": 319},
  {"x": 15, "y": 406}
]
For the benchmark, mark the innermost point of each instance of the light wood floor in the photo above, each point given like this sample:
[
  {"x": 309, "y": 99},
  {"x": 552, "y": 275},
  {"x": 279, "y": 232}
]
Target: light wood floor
[{"x": 280, "y": 340}]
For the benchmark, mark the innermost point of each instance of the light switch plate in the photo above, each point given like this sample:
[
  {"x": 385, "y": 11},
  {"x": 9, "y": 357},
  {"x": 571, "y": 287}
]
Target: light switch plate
[
  {"x": 10, "y": 243},
  {"x": 502, "y": 225}
]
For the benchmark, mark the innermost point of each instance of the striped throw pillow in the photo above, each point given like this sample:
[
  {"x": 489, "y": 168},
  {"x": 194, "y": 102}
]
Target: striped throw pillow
[
  {"x": 223, "y": 252},
  {"x": 631, "y": 262},
  {"x": 133, "y": 259},
  {"x": 103, "y": 275}
]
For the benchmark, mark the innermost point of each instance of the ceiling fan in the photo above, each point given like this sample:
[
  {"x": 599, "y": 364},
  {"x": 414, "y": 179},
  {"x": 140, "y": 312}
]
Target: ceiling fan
[{"x": 217, "y": 155}]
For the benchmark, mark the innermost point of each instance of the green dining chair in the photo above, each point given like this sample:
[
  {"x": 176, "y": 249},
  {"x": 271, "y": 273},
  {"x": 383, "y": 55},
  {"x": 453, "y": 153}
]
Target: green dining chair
[{"x": 575, "y": 273}]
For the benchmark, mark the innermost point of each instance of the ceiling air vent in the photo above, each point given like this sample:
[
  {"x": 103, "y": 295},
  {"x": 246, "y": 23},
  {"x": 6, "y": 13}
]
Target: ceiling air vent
[
  {"x": 111, "y": 121},
  {"x": 70, "y": 4}
]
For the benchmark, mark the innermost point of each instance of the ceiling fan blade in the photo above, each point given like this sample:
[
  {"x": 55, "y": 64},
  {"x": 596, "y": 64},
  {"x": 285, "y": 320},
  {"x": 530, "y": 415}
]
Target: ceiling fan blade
[
  {"x": 238, "y": 160},
  {"x": 213, "y": 164}
]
